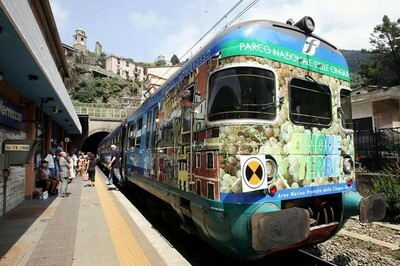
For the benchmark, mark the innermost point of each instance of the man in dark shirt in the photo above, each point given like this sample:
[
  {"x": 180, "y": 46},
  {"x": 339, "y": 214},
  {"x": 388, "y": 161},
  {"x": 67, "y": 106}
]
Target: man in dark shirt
[{"x": 114, "y": 166}]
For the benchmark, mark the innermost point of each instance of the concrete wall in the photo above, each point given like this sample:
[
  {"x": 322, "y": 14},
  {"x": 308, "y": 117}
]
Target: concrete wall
[
  {"x": 386, "y": 113},
  {"x": 12, "y": 191},
  {"x": 100, "y": 126}
]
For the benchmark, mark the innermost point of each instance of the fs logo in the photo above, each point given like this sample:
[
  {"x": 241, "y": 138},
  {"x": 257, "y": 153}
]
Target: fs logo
[{"x": 311, "y": 46}]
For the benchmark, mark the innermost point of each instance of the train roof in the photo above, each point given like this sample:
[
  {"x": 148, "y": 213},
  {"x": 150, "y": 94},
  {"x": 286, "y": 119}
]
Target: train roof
[{"x": 265, "y": 38}]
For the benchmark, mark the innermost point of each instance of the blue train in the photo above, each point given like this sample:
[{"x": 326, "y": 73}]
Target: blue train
[{"x": 251, "y": 141}]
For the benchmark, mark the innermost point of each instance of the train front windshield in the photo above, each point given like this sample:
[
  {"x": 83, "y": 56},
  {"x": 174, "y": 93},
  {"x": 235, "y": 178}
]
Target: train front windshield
[
  {"x": 310, "y": 103},
  {"x": 242, "y": 92}
]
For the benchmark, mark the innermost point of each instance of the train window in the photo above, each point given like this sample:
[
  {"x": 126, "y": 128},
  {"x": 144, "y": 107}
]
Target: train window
[
  {"x": 198, "y": 160},
  {"x": 210, "y": 160},
  {"x": 344, "y": 110},
  {"x": 188, "y": 94},
  {"x": 131, "y": 136},
  {"x": 186, "y": 120},
  {"x": 138, "y": 134},
  {"x": 149, "y": 117},
  {"x": 310, "y": 103},
  {"x": 156, "y": 123},
  {"x": 242, "y": 92}
]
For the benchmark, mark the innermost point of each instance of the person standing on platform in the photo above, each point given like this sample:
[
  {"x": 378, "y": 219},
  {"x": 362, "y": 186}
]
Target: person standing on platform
[
  {"x": 65, "y": 174},
  {"x": 75, "y": 160},
  {"x": 51, "y": 162},
  {"x": 71, "y": 169},
  {"x": 114, "y": 166},
  {"x": 92, "y": 169}
]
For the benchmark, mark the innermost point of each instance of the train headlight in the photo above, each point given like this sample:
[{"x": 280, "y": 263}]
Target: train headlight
[
  {"x": 306, "y": 24},
  {"x": 270, "y": 168},
  {"x": 349, "y": 182},
  {"x": 348, "y": 166},
  {"x": 272, "y": 190}
]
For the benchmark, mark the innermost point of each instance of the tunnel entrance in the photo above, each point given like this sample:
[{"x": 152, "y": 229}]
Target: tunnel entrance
[{"x": 91, "y": 143}]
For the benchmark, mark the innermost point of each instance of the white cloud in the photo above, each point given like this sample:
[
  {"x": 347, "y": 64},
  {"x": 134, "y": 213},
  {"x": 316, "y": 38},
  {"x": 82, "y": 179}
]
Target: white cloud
[
  {"x": 346, "y": 24},
  {"x": 172, "y": 27},
  {"x": 178, "y": 43},
  {"x": 61, "y": 15},
  {"x": 147, "y": 20}
]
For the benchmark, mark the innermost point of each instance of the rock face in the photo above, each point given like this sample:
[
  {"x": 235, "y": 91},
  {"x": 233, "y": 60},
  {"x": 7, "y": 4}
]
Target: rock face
[{"x": 90, "y": 83}]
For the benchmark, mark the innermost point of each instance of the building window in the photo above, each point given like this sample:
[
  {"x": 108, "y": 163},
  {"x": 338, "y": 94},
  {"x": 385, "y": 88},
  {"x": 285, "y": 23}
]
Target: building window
[
  {"x": 210, "y": 190},
  {"x": 363, "y": 124},
  {"x": 210, "y": 160},
  {"x": 198, "y": 160},
  {"x": 198, "y": 187}
]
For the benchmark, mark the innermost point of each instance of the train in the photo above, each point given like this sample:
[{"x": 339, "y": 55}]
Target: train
[{"x": 250, "y": 142}]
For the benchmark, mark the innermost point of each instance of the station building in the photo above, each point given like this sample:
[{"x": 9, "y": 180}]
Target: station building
[{"x": 36, "y": 112}]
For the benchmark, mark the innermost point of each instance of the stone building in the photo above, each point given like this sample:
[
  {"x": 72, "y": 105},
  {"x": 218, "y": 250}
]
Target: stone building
[{"x": 124, "y": 67}]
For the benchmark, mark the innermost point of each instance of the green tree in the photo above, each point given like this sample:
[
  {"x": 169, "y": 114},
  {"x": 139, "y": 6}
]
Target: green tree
[
  {"x": 101, "y": 60},
  {"x": 160, "y": 63},
  {"x": 174, "y": 60},
  {"x": 386, "y": 51},
  {"x": 357, "y": 80}
]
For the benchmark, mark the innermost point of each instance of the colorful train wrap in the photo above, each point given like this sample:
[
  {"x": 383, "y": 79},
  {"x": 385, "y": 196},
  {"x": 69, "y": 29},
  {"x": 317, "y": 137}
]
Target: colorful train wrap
[{"x": 251, "y": 141}]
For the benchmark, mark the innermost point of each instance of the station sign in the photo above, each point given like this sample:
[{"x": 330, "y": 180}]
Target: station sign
[{"x": 20, "y": 152}]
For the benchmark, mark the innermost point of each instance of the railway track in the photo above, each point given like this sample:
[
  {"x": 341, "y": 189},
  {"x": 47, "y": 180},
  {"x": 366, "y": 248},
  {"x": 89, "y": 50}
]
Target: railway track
[
  {"x": 309, "y": 259},
  {"x": 193, "y": 248},
  {"x": 360, "y": 244}
]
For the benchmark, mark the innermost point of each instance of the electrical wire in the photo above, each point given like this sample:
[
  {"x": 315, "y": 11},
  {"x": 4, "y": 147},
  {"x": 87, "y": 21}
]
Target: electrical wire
[{"x": 214, "y": 26}]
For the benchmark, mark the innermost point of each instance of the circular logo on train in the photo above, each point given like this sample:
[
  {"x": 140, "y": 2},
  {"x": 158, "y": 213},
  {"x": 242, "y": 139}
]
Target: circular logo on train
[{"x": 253, "y": 172}]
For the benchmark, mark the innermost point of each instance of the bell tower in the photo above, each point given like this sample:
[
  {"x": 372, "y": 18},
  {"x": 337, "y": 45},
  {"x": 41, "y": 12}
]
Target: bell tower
[{"x": 80, "y": 41}]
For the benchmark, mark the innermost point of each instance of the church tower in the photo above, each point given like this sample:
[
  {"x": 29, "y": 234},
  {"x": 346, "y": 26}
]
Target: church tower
[{"x": 80, "y": 41}]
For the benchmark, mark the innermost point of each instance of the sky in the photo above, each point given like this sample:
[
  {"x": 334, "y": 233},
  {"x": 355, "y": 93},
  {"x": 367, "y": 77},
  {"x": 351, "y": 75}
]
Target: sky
[{"x": 144, "y": 29}]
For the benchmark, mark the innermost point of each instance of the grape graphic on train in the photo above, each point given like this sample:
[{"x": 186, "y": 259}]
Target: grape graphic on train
[{"x": 251, "y": 142}]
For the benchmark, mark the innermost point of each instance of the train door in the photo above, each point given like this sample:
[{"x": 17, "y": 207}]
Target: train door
[
  {"x": 123, "y": 149},
  {"x": 147, "y": 145},
  {"x": 155, "y": 138}
]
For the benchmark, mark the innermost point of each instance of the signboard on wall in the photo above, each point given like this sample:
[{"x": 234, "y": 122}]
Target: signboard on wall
[
  {"x": 20, "y": 152},
  {"x": 10, "y": 115}
]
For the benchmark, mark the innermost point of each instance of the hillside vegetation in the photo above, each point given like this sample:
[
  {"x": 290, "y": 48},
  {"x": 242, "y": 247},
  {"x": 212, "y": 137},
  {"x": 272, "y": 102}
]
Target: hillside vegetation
[{"x": 84, "y": 87}]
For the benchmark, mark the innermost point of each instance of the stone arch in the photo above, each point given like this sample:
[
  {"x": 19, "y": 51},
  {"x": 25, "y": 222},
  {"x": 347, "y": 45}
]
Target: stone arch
[{"x": 91, "y": 143}]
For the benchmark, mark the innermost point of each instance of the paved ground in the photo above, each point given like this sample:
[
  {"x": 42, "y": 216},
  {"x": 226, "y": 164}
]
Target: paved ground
[{"x": 93, "y": 226}]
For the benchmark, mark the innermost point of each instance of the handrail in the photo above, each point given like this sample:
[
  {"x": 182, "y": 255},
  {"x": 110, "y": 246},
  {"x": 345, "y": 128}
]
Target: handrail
[{"x": 103, "y": 113}]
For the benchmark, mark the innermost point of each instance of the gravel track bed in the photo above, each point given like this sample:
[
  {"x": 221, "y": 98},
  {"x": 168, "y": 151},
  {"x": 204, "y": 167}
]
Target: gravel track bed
[{"x": 345, "y": 250}]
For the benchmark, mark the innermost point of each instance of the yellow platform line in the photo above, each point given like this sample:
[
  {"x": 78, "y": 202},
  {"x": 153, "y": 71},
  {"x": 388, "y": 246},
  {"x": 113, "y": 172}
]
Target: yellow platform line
[{"x": 127, "y": 248}]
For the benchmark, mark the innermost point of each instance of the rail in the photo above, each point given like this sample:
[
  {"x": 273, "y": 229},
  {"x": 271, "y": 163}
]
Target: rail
[{"x": 103, "y": 113}]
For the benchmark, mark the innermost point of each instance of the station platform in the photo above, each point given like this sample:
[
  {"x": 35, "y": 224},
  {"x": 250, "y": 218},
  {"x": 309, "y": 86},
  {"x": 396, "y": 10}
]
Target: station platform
[{"x": 93, "y": 226}]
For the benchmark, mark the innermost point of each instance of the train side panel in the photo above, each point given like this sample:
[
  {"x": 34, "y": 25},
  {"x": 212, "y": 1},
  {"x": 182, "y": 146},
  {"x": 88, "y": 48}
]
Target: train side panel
[{"x": 251, "y": 142}]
